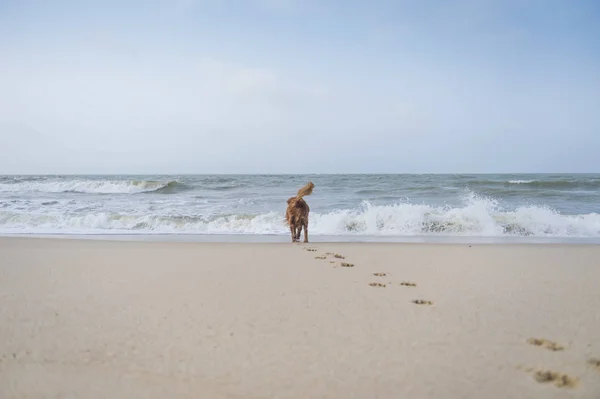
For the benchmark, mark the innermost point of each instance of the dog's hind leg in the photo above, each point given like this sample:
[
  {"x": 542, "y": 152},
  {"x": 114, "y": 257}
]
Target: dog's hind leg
[
  {"x": 298, "y": 232},
  {"x": 305, "y": 231},
  {"x": 293, "y": 231}
]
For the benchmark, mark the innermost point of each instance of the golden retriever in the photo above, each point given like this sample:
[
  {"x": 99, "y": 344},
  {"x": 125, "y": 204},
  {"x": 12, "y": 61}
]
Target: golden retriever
[{"x": 297, "y": 211}]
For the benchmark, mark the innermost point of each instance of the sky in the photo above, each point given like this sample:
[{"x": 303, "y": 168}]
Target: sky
[{"x": 299, "y": 86}]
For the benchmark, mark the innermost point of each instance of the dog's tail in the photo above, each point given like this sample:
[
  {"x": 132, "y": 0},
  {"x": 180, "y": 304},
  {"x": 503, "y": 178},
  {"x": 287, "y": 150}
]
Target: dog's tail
[
  {"x": 293, "y": 201},
  {"x": 306, "y": 190}
]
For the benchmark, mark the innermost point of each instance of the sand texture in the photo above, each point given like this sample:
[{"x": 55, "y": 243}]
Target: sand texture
[{"x": 103, "y": 319}]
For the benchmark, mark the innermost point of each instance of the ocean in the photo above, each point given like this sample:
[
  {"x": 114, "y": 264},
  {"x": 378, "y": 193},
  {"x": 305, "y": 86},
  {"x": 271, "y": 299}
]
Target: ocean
[{"x": 343, "y": 207}]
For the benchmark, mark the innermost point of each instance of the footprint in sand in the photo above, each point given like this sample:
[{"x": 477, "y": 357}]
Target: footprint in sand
[
  {"x": 422, "y": 302},
  {"x": 377, "y": 285},
  {"x": 408, "y": 284},
  {"x": 380, "y": 274},
  {"x": 310, "y": 249},
  {"x": 544, "y": 343},
  {"x": 595, "y": 363},
  {"x": 334, "y": 255},
  {"x": 558, "y": 379}
]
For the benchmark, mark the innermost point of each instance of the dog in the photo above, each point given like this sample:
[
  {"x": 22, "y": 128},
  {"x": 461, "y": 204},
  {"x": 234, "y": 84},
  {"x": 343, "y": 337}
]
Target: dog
[{"x": 297, "y": 212}]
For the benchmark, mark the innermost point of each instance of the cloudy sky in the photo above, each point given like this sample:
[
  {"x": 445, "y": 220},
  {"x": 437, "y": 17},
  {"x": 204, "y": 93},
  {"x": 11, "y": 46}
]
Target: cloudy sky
[{"x": 299, "y": 86}]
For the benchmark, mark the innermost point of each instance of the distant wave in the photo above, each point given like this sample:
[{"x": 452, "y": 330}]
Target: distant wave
[
  {"x": 372, "y": 191},
  {"x": 521, "y": 181},
  {"x": 91, "y": 186},
  {"x": 549, "y": 184},
  {"x": 479, "y": 216}
]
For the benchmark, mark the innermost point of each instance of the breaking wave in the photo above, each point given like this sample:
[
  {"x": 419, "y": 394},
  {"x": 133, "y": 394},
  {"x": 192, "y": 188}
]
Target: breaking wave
[
  {"x": 92, "y": 186},
  {"x": 591, "y": 183},
  {"x": 479, "y": 216},
  {"x": 521, "y": 181}
]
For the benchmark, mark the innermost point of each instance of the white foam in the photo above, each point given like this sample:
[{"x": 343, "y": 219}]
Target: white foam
[
  {"x": 85, "y": 186},
  {"x": 478, "y": 216},
  {"x": 521, "y": 181}
]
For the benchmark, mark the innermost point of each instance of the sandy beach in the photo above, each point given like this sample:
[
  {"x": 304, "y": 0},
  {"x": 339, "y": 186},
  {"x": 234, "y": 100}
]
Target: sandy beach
[{"x": 109, "y": 319}]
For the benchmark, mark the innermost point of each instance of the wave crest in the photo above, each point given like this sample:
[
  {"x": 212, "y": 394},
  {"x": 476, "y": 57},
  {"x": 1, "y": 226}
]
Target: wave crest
[
  {"x": 91, "y": 186},
  {"x": 479, "y": 216},
  {"x": 591, "y": 183}
]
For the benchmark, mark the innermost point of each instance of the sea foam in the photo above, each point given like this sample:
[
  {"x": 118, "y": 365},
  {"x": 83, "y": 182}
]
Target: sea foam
[
  {"x": 478, "y": 216},
  {"x": 90, "y": 186}
]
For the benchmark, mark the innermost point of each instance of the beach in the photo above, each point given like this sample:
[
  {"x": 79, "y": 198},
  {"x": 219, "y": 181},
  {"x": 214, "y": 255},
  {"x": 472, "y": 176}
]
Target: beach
[{"x": 125, "y": 319}]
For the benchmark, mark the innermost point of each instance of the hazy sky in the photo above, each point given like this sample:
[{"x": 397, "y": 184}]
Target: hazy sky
[{"x": 299, "y": 86}]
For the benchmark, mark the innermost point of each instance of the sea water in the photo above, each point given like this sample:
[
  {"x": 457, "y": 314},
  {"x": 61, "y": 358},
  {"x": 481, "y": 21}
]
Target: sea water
[{"x": 345, "y": 207}]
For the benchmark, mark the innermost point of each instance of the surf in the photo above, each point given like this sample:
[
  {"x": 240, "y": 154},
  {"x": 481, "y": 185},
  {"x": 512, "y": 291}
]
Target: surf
[
  {"x": 478, "y": 216},
  {"x": 92, "y": 186}
]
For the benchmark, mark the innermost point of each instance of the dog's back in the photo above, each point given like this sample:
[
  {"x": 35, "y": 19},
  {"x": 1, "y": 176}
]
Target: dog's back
[{"x": 297, "y": 211}]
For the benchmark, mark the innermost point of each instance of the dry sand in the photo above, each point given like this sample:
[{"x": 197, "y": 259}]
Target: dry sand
[{"x": 102, "y": 319}]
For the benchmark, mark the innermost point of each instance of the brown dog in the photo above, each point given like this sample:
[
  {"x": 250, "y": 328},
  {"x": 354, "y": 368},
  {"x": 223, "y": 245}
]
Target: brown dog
[{"x": 297, "y": 211}]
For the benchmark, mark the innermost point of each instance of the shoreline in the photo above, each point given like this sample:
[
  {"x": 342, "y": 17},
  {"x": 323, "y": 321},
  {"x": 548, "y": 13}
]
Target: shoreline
[{"x": 323, "y": 239}]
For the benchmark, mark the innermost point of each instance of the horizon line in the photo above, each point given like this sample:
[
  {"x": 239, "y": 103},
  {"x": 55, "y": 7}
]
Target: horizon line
[{"x": 300, "y": 174}]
